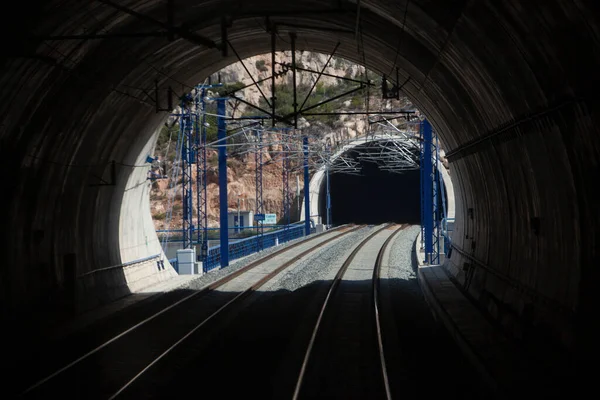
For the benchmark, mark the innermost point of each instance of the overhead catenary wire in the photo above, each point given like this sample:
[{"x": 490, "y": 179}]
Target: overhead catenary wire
[
  {"x": 172, "y": 193},
  {"x": 400, "y": 39},
  {"x": 392, "y": 149},
  {"x": 214, "y": 144}
]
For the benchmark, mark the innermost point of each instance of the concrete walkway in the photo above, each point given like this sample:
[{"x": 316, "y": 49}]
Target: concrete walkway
[
  {"x": 86, "y": 319},
  {"x": 499, "y": 360}
]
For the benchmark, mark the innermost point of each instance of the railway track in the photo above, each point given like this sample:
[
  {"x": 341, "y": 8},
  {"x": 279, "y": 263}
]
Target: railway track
[
  {"x": 345, "y": 356},
  {"x": 110, "y": 368}
]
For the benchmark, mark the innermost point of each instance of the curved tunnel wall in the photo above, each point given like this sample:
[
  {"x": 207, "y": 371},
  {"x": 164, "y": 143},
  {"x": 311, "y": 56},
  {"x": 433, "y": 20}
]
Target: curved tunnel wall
[
  {"x": 136, "y": 232},
  {"x": 506, "y": 84}
]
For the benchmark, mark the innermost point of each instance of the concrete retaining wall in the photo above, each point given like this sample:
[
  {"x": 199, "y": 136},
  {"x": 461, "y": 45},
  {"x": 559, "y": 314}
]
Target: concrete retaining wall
[{"x": 109, "y": 284}]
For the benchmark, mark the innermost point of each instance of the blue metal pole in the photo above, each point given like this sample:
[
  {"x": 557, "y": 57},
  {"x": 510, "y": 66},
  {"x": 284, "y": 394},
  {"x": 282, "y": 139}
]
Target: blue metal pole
[
  {"x": 285, "y": 174},
  {"x": 427, "y": 190},
  {"x": 198, "y": 145},
  {"x": 224, "y": 223},
  {"x": 306, "y": 188},
  {"x": 435, "y": 258},
  {"x": 203, "y": 204},
  {"x": 259, "y": 189},
  {"x": 328, "y": 199},
  {"x": 421, "y": 181},
  {"x": 186, "y": 126},
  {"x": 436, "y": 193}
]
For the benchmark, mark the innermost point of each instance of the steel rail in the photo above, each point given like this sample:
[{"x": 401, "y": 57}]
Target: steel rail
[
  {"x": 332, "y": 288},
  {"x": 376, "y": 272},
  {"x": 236, "y": 299},
  {"x": 211, "y": 287}
]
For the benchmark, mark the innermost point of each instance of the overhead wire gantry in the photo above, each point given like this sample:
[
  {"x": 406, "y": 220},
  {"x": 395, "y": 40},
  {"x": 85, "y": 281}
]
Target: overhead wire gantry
[{"x": 394, "y": 155}]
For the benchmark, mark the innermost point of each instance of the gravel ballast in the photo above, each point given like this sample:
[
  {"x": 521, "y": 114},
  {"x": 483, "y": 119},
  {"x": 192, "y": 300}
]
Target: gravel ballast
[
  {"x": 274, "y": 324},
  {"x": 215, "y": 275},
  {"x": 259, "y": 329},
  {"x": 318, "y": 266},
  {"x": 400, "y": 262}
]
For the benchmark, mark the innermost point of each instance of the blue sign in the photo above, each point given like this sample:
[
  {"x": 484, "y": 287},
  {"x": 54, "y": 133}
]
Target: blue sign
[
  {"x": 270, "y": 219},
  {"x": 259, "y": 217}
]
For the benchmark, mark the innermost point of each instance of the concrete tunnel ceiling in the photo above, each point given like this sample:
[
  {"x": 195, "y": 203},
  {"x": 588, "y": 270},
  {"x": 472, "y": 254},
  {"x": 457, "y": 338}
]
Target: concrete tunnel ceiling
[{"x": 508, "y": 85}]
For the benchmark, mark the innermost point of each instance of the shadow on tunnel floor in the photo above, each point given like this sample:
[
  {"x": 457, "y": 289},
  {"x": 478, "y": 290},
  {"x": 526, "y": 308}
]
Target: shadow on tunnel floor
[
  {"x": 256, "y": 349},
  {"x": 40, "y": 348},
  {"x": 260, "y": 347}
]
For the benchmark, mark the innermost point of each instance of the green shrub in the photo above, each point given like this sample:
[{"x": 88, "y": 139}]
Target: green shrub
[
  {"x": 357, "y": 102},
  {"x": 260, "y": 65},
  {"x": 230, "y": 88}
]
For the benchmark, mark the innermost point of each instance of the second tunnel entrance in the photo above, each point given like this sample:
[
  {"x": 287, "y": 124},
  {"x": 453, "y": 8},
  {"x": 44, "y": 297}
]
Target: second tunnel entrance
[
  {"x": 374, "y": 183},
  {"x": 374, "y": 197}
]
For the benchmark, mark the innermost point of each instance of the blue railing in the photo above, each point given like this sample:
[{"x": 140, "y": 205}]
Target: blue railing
[
  {"x": 244, "y": 247},
  {"x": 237, "y": 232}
]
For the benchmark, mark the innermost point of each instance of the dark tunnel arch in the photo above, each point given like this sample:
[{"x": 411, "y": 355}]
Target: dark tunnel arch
[
  {"x": 373, "y": 198},
  {"x": 508, "y": 85},
  {"x": 372, "y": 195}
]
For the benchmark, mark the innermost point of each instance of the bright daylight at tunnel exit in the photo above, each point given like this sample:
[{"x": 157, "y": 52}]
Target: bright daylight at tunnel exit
[{"x": 337, "y": 199}]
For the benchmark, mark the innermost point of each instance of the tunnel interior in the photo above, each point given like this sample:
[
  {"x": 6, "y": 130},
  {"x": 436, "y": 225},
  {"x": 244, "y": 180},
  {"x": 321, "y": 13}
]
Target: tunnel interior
[{"x": 508, "y": 85}]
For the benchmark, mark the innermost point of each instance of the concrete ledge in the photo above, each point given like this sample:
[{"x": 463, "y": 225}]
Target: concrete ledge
[
  {"x": 425, "y": 275},
  {"x": 107, "y": 285},
  {"x": 104, "y": 310},
  {"x": 495, "y": 357}
]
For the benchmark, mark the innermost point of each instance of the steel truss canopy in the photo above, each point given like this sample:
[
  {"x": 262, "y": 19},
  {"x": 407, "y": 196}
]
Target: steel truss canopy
[
  {"x": 391, "y": 153},
  {"x": 386, "y": 147}
]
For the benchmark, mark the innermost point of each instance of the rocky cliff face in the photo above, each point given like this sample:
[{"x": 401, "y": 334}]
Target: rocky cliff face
[
  {"x": 261, "y": 66},
  {"x": 241, "y": 168},
  {"x": 241, "y": 180}
]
